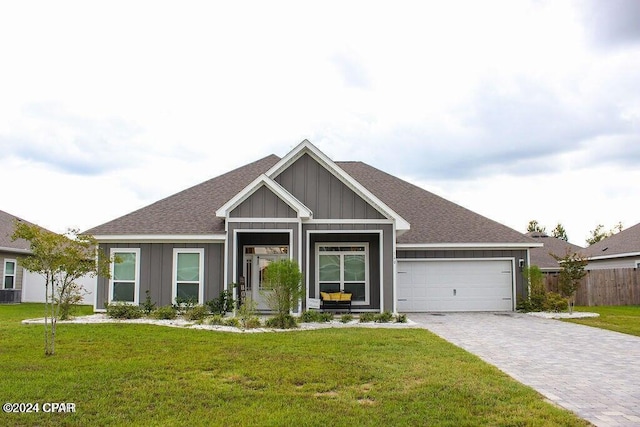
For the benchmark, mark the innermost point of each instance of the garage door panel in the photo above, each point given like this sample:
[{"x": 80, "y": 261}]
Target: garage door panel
[{"x": 467, "y": 285}]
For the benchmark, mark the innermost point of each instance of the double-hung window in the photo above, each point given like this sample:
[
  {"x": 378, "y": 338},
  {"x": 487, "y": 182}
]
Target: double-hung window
[
  {"x": 9, "y": 275},
  {"x": 124, "y": 285},
  {"x": 344, "y": 268},
  {"x": 188, "y": 273}
]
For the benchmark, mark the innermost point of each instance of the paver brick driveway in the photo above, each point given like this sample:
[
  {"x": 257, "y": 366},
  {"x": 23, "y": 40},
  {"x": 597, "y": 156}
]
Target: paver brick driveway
[{"x": 593, "y": 372}]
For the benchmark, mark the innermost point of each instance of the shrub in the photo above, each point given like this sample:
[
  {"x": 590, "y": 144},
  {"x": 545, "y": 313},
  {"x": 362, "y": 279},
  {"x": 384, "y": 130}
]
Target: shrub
[
  {"x": 221, "y": 305},
  {"x": 326, "y": 316},
  {"x": 385, "y": 317},
  {"x": 555, "y": 302},
  {"x": 309, "y": 316},
  {"x": 524, "y": 305},
  {"x": 216, "y": 319},
  {"x": 69, "y": 299},
  {"x": 252, "y": 323},
  {"x": 367, "y": 317},
  {"x": 166, "y": 312},
  {"x": 183, "y": 305},
  {"x": 232, "y": 321},
  {"x": 197, "y": 312},
  {"x": 316, "y": 316},
  {"x": 401, "y": 318},
  {"x": 247, "y": 311},
  {"x": 346, "y": 318},
  {"x": 538, "y": 293},
  {"x": 122, "y": 310},
  {"x": 282, "y": 321},
  {"x": 148, "y": 306}
]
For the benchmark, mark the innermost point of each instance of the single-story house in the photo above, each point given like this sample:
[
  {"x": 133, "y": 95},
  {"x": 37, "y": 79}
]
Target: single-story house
[
  {"x": 18, "y": 284},
  {"x": 350, "y": 227},
  {"x": 12, "y": 274},
  {"x": 622, "y": 250},
  {"x": 541, "y": 256}
]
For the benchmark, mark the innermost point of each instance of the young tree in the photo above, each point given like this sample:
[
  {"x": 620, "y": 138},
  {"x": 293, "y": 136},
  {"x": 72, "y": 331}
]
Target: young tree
[
  {"x": 572, "y": 266},
  {"x": 61, "y": 259},
  {"x": 534, "y": 226},
  {"x": 599, "y": 233},
  {"x": 560, "y": 233},
  {"x": 283, "y": 288}
]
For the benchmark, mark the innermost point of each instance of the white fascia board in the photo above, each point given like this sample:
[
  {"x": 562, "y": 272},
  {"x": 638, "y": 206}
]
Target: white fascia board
[
  {"x": 263, "y": 180},
  {"x": 161, "y": 238},
  {"x": 432, "y": 246},
  {"x": 308, "y": 148},
  {"x": 625, "y": 255},
  {"x": 14, "y": 250}
]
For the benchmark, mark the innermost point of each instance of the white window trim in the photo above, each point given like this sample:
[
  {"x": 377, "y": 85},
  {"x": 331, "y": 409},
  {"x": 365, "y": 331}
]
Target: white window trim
[
  {"x": 5, "y": 275},
  {"x": 367, "y": 283},
  {"x": 136, "y": 283},
  {"x": 174, "y": 272}
]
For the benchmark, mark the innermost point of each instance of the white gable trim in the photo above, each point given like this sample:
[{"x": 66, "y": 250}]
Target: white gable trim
[
  {"x": 264, "y": 181},
  {"x": 306, "y": 147},
  {"x": 161, "y": 238},
  {"x": 612, "y": 256},
  {"x": 431, "y": 246}
]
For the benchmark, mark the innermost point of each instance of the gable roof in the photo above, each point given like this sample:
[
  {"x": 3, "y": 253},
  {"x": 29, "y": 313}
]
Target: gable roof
[
  {"x": 433, "y": 220},
  {"x": 7, "y": 226},
  {"x": 306, "y": 147},
  {"x": 541, "y": 256},
  {"x": 624, "y": 243}
]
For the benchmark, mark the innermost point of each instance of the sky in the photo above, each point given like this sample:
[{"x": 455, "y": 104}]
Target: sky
[{"x": 517, "y": 110}]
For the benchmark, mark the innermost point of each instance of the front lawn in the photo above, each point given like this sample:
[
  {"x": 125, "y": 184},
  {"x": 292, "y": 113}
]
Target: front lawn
[
  {"x": 124, "y": 374},
  {"x": 625, "y": 319}
]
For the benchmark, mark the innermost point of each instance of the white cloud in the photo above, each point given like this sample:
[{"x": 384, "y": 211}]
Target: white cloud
[{"x": 129, "y": 102}]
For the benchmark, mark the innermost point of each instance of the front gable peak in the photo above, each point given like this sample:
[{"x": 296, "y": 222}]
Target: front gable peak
[
  {"x": 263, "y": 181},
  {"x": 307, "y": 148}
]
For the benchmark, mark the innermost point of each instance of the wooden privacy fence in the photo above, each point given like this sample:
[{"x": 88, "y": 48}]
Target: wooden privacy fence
[{"x": 616, "y": 286}]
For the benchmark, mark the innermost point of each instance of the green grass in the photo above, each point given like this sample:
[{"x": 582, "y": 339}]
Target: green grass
[
  {"x": 625, "y": 319},
  {"x": 124, "y": 374}
]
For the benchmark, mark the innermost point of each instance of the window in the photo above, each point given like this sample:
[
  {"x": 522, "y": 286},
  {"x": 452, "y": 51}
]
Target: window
[
  {"x": 344, "y": 267},
  {"x": 188, "y": 272},
  {"x": 124, "y": 285},
  {"x": 9, "y": 279}
]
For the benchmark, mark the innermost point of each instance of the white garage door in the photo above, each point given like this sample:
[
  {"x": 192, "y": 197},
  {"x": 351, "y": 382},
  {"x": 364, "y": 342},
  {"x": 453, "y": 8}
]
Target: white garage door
[{"x": 468, "y": 285}]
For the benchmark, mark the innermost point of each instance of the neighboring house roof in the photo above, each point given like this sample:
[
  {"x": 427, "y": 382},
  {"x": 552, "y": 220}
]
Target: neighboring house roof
[
  {"x": 7, "y": 226},
  {"x": 624, "y": 243},
  {"x": 432, "y": 219},
  {"x": 541, "y": 256}
]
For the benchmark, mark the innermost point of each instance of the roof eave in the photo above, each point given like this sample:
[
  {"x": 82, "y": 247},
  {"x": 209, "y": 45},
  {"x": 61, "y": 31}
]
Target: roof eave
[{"x": 475, "y": 245}]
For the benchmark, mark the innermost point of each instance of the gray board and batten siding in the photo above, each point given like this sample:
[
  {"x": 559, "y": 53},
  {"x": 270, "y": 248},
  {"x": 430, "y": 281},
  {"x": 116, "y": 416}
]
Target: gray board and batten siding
[
  {"x": 324, "y": 194},
  {"x": 156, "y": 270},
  {"x": 263, "y": 203}
]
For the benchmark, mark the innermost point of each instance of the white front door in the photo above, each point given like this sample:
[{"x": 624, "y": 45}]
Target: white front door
[{"x": 256, "y": 261}]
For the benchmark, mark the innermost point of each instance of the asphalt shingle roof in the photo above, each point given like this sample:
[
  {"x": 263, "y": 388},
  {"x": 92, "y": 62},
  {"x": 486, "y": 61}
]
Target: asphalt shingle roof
[
  {"x": 541, "y": 257},
  {"x": 7, "y": 225},
  {"x": 432, "y": 218},
  {"x": 191, "y": 211},
  {"x": 625, "y": 242}
]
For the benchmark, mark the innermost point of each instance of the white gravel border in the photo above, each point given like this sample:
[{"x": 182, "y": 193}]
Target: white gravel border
[
  {"x": 101, "y": 318},
  {"x": 552, "y": 315}
]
